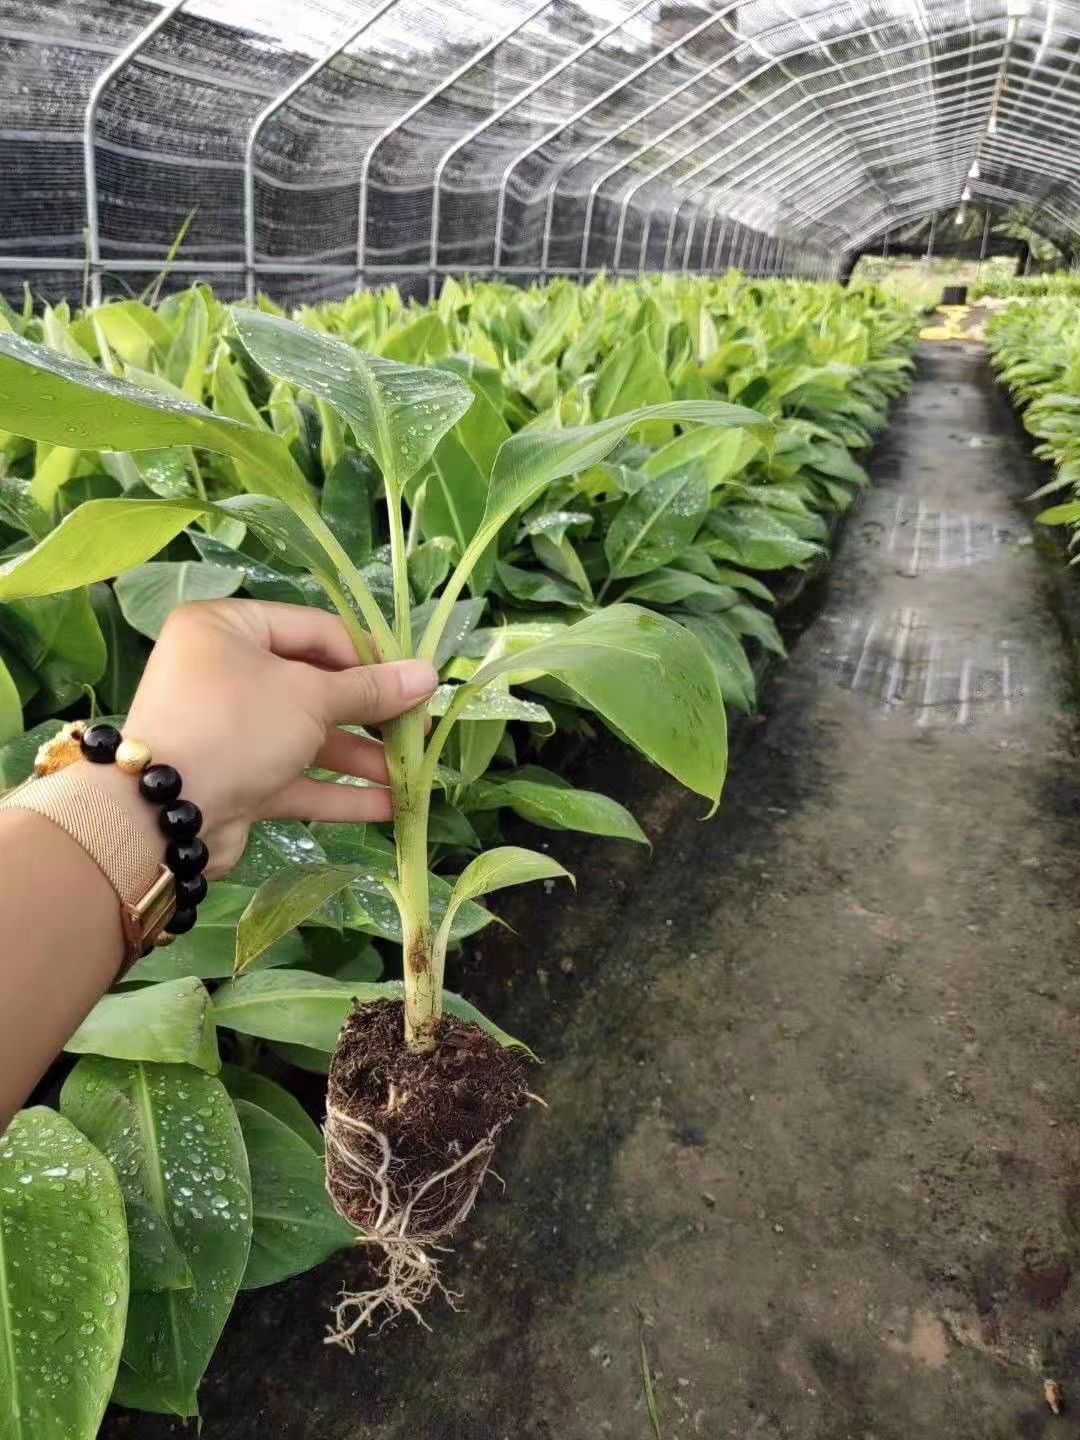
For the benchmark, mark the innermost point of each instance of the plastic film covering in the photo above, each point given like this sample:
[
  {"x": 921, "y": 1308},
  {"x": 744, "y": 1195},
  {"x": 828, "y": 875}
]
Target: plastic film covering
[{"x": 318, "y": 144}]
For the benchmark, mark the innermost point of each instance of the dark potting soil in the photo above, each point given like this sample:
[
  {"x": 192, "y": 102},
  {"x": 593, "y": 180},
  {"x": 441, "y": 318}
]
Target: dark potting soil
[{"x": 431, "y": 1110}]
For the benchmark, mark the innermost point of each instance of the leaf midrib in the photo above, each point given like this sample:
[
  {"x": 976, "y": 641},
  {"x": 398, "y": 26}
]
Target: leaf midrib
[
  {"x": 157, "y": 1186},
  {"x": 644, "y": 529}
]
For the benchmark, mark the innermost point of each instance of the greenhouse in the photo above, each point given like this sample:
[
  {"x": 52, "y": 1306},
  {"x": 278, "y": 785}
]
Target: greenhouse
[{"x": 539, "y": 673}]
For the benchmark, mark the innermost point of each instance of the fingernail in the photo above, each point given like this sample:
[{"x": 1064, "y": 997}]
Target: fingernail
[{"x": 417, "y": 679}]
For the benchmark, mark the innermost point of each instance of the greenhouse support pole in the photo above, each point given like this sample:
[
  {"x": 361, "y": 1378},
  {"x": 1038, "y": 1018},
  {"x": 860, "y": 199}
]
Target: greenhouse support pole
[
  {"x": 720, "y": 244},
  {"x": 984, "y": 243},
  {"x": 933, "y": 231},
  {"x": 701, "y": 110},
  {"x": 568, "y": 124},
  {"x": 267, "y": 114},
  {"x": 643, "y": 252},
  {"x": 620, "y": 130},
  {"x": 707, "y": 241},
  {"x": 97, "y": 90},
  {"x": 669, "y": 243},
  {"x": 885, "y": 246},
  {"x": 433, "y": 94},
  {"x": 493, "y": 119},
  {"x": 691, "y": 230}
]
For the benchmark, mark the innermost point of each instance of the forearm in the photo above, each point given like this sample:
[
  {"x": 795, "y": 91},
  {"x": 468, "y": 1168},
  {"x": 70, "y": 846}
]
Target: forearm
[{"x": 61, "y": 942}]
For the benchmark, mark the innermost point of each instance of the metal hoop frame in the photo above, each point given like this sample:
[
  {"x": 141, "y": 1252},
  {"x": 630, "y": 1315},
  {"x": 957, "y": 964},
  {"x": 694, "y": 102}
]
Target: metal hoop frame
[{"x": 785, "y": 196}]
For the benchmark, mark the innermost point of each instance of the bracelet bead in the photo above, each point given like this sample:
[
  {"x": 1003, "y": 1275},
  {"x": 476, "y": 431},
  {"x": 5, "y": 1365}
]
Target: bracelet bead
[
  {"x": 99, "y": 743},
  {"x": 133, "y": 756},
  {"x": 160, "y": 784},
  {"x": 180, "y": 820},
  {"x": 181, "y": 920},
  {"x": 186, "y": 858},
  {"x": 190, "y": 890}
]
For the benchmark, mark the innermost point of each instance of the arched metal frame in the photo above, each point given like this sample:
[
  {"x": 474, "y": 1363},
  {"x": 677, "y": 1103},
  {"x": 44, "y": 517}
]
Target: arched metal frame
[
  {"x": 101, "y": 84},
  {"x": 788, "y": 191},
  {"x": 267, "y": 114}
]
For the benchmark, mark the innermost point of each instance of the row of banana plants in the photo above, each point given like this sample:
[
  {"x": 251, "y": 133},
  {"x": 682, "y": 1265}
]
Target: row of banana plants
[
  {"x": 1035, "y": 351},
  {"x": 527, "y": 480}
]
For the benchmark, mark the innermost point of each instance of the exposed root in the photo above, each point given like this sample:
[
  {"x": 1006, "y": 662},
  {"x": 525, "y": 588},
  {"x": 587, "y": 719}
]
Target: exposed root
[{"x": 409, "y": 1220}]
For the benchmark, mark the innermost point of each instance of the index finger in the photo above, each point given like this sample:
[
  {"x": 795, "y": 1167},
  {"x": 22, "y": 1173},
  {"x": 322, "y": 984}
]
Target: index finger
[{"x": 299, "y": 632}]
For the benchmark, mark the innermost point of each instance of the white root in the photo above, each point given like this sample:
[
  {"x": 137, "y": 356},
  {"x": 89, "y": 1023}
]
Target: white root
[{"x": 409, "y": 1221}]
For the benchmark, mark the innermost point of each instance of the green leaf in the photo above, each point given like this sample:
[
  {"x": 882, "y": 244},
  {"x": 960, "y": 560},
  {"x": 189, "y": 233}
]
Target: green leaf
[
  {"x": 95, "y": 542},
  {"x": 125, "y": 653},
  {"x": 398, "y": 413},
  {"x": 11, "y": 720},
  {"x": 530, "y": 460},
  {"x": 556, "y": 805},
  {"x": 724, "y": 648},
  {"x": 276, "y": 1100},
  {"x": 629, "y": 379},
  {"x": 612, "y": 659},
  {"x": 48, "y": 396},
  {"x": 17, "y": 756},
  {"x": 749, "y": 620},
  {"x": 753, "y": 536},
  {"x": 285, "y": 901},
  {"x": 454, "y": 493},
  {"x": 173, "y": 1136},
  {"x": 295, "y": 1223},
  {"x": 63, "y": 1280},
  {"x": 209, "y": 951},
  {"x": 495, "y": 702},
  {"x": 347, "y": 502},
  {"x": 289, "y": 1005},
  {"x": 496, "y": 870},
  {"x": 295, "y": 1008},
  {"x": 667, "y": 586},
  {"x": 59, "y": 640},
  {"x": 171, "y": 1022},
  {"x": 150, "y": 593},
  {"x": 660, "y": 520},
  {"x": 429, "y": 565}
]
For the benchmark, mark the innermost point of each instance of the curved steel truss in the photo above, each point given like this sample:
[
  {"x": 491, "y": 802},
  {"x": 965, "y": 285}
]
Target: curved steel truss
[{"x": 325, "y": 142}]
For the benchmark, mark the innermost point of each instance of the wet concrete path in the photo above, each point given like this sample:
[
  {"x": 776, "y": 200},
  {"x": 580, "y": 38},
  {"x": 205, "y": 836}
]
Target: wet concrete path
[{"x": 812, "y": 1067}]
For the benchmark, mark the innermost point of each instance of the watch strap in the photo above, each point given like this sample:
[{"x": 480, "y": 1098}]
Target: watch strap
[{"x": 96, "y": 823}]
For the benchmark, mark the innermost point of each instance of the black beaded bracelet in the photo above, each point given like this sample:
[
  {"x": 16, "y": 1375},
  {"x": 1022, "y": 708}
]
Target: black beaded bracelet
[{"x": 180, "y": 820}]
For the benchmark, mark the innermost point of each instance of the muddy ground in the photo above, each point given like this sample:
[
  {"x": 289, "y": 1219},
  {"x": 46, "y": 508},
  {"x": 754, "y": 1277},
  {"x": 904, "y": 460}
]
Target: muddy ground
[{"x": 811, "y": 1067}]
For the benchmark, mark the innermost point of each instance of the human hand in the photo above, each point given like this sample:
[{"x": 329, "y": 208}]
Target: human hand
[{"x": 243, "y": 696}]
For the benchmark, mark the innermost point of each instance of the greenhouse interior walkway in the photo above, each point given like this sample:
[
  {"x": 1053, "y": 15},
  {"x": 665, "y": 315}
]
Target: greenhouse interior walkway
[{"x": 811, "y": 1068}]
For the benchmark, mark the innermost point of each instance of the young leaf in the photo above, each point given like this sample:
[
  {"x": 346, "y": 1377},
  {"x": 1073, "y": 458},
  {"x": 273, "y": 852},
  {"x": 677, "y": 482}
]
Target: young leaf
[
  {"x": 289, "y": 1005},
  {"x": 63, "y": 1280},
  {"x": 126, "y": 652},
  {"x": 295, "y": 1226},
  {"x": 285, "y": 901},
  {"x": 174, "y": 1138},
  {"x": 658, "y": 522},
  {"x": 48, "y": 396},
  {"x": 171, "y": 1022},
  {"x": 95, "y": 542},
  {"x": 275, "y": 1100},
  {"x": 209, "y": 951},
  {"x": 398, "y": 413},
  {"x": 612, "y": 659},
  {"x": 555, "y": 805},
  {"x": 11, "y": 720},
  {"x": 529, "y": 461},
  {"x": 505, "y": 865},
  {"x": 150, "y": 593}
]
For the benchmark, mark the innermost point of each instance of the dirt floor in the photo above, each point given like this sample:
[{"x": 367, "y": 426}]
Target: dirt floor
[{"x": 811, "y": 1067}]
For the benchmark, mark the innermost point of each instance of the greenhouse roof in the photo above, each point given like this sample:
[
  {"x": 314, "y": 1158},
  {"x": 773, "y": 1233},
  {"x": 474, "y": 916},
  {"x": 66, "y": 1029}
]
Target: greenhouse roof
[{"x": 324, "y": 141}]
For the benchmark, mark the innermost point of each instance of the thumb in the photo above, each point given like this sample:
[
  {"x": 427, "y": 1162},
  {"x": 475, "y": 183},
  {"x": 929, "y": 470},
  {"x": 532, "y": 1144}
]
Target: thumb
[{"x": 370, "y": 694}]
